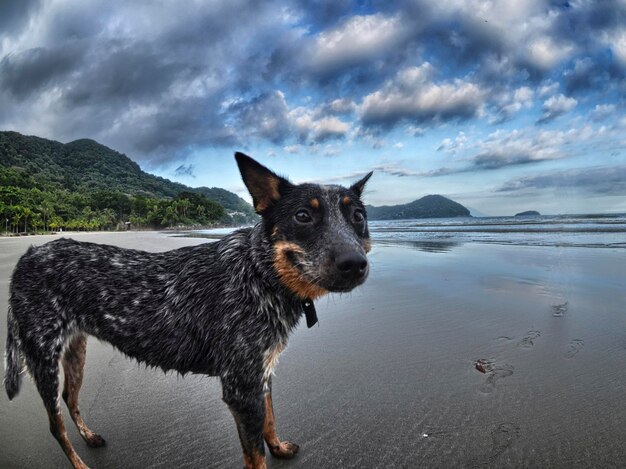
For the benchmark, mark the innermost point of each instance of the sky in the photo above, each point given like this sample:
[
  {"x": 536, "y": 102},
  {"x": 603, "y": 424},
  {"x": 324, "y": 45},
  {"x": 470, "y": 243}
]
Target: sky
[{"x": 503, "y": 106}]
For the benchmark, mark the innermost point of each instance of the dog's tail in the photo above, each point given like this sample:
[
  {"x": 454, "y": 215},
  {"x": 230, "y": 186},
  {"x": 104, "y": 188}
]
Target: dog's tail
[{"x": 13, "y": 364}]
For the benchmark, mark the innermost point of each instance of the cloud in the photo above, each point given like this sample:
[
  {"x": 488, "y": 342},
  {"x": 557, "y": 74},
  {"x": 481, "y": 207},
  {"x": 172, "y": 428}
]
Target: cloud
[
  {"x": 598, "y": 181},
  {"x": 356, "y": 40},
  {"x": 580, "y": 76},
  {"x": 293, "y": 149},
  {"x": 147, "y": 79},
  {"x": 414, "y": 131},
  {"x": 522, "y": 147},
  {"x": 526, "y": 146},
  {"x": 185, "y": 170},
  {"x": 509, "y": 103},
  {"x": 616, "y": 39},
  {"x": 453, "y": 145},
  {"x": 157, "y": 82},
  {"x": 269, "y": 117},
  {"x": 392, "y": 169},
  {"x": 602, "y": 112},
  {"x": 545, "y": 53},
  {"x": 27, "y": 72},
  {"x": 341, "y": 106},
  {"x": 264, "y": 116},
  {"x": 412, "y": 96},
  {"x": 556, "y": 106},
  {"x": 308, "y": 127},
  {"x": 14, "y": 14},
  {"x": 548, "y": 88}
]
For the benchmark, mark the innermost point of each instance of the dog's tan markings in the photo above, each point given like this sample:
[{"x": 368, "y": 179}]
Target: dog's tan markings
[
  {"x": 289, "y": 274},
  {"x": 266, "y": 191},
  {"x": 270, "y": 360},
  {"x": 73, "y": 365},
  {"x": 346, "y": 200},
  {"x": 279, "y": 449},
  {"x": 254, "y": 460},
  {"x": 367, "y": 245},
  {"x": 315, "y": 203},
  {"x": 57, "y": 428}
]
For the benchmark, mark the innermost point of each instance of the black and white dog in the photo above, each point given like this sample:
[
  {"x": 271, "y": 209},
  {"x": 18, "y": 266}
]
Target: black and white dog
[{"x": 221, "y": 309}]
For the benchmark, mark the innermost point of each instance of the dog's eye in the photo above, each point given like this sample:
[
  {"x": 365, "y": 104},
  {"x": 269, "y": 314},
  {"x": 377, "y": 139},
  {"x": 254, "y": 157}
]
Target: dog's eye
[
  {"x": 358, "y": 216},
  {"x": 302, "y": 216}
]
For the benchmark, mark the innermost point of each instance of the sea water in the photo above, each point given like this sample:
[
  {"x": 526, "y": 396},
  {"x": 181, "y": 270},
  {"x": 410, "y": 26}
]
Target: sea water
[{"x": 598, "y": 231}]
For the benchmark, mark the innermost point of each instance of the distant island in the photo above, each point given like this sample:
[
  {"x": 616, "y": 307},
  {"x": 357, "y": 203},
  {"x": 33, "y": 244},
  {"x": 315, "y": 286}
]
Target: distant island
[
  {"x": 47, "y": 185},
  {"x": 430, "y": 206},
  {"x": 528, "y": 213}
]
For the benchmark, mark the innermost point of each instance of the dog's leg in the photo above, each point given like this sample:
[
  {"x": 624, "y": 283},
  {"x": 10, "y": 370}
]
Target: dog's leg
[
  {"x": 73, "y": 365},
  {"x": 47, "y": 381},
  {"x": 279, "y": 449},
  {"x": 249, "y": 412}
]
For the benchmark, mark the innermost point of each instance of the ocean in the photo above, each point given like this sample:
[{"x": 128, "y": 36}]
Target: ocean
[{"x": 442, "y": 234}]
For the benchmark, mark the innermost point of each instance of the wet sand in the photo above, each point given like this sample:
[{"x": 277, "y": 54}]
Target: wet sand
[{"x": 389, "y": 377}]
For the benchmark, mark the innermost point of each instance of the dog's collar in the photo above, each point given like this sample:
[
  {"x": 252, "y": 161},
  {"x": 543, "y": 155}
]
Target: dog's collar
[{"x": 310, "y": 313}]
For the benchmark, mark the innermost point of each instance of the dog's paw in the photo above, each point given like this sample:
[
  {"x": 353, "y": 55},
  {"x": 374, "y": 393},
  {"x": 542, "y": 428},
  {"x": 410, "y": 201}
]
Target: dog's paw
[
  {"x": 95, "y": 441},
  {"x": 284, "y": 450}
]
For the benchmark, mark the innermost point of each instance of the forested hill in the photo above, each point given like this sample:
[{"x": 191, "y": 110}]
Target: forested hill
[
  {"x": 86, "y": 164},
  {"x": 104, "y": 179},
  {"x": 430, "y": 206}
]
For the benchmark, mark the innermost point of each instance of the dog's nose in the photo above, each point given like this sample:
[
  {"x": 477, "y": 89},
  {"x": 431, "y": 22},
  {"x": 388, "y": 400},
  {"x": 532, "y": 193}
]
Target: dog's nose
[{"x": 352, "y": 265}]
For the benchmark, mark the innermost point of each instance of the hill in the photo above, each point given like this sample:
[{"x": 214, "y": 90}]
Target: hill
[
  {"x": 430, "y": 206},
  {"x": 87, "y": 166},
  {"x": 528, "y": 213}
]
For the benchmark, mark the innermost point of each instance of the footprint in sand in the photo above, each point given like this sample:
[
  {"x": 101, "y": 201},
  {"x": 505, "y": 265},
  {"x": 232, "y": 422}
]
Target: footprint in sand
[
  {"x": 503, "y": 437},
  {"x": 495, "y": 372},
  {"x": 503, "y": 340},
  {"x": 558, "y": 311},
  {"x": 528, "y": 341},
  {"x": 574, "y": 347}
]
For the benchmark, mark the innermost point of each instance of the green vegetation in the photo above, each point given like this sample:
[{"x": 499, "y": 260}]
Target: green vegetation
[{"x": 46, "y": 185}]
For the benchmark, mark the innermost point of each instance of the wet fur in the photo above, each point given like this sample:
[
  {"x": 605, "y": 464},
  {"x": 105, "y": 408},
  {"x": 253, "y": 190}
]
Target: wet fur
[{"x": 221, "y": 309}]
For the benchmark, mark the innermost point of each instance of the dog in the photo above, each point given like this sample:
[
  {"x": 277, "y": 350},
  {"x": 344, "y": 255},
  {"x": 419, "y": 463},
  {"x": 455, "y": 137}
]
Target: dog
[{"x": 221, "y": 309}]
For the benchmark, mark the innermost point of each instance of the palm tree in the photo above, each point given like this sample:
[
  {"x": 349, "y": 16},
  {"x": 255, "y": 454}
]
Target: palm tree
[
  {"x": 17, "y": 216},
  {"x": 27, "y": 213}
]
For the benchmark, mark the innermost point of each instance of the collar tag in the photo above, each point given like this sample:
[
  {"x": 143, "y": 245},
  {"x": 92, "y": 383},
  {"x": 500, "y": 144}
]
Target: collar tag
[{"x": 310, "y": 313}]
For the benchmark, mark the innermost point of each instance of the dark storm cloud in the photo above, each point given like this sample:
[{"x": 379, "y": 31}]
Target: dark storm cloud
[
  {"x": 124, "y": 72},
  {"x": 152, "y": 90},
  {"x": 170, "y": 132},
  {"x": 13, "y": 14},
  {"x": 27, "y": 72},
  {"x": 599, "y": 181}
]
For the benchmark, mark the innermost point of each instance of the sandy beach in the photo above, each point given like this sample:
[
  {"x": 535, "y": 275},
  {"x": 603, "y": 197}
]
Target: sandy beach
[{"x": 389, "y": 377}]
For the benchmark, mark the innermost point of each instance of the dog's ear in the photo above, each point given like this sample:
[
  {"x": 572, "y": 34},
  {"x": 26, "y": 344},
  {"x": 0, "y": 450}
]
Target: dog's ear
[
  {"x": 358, "y": 186},
  {"x": 264, "y": 186}
]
